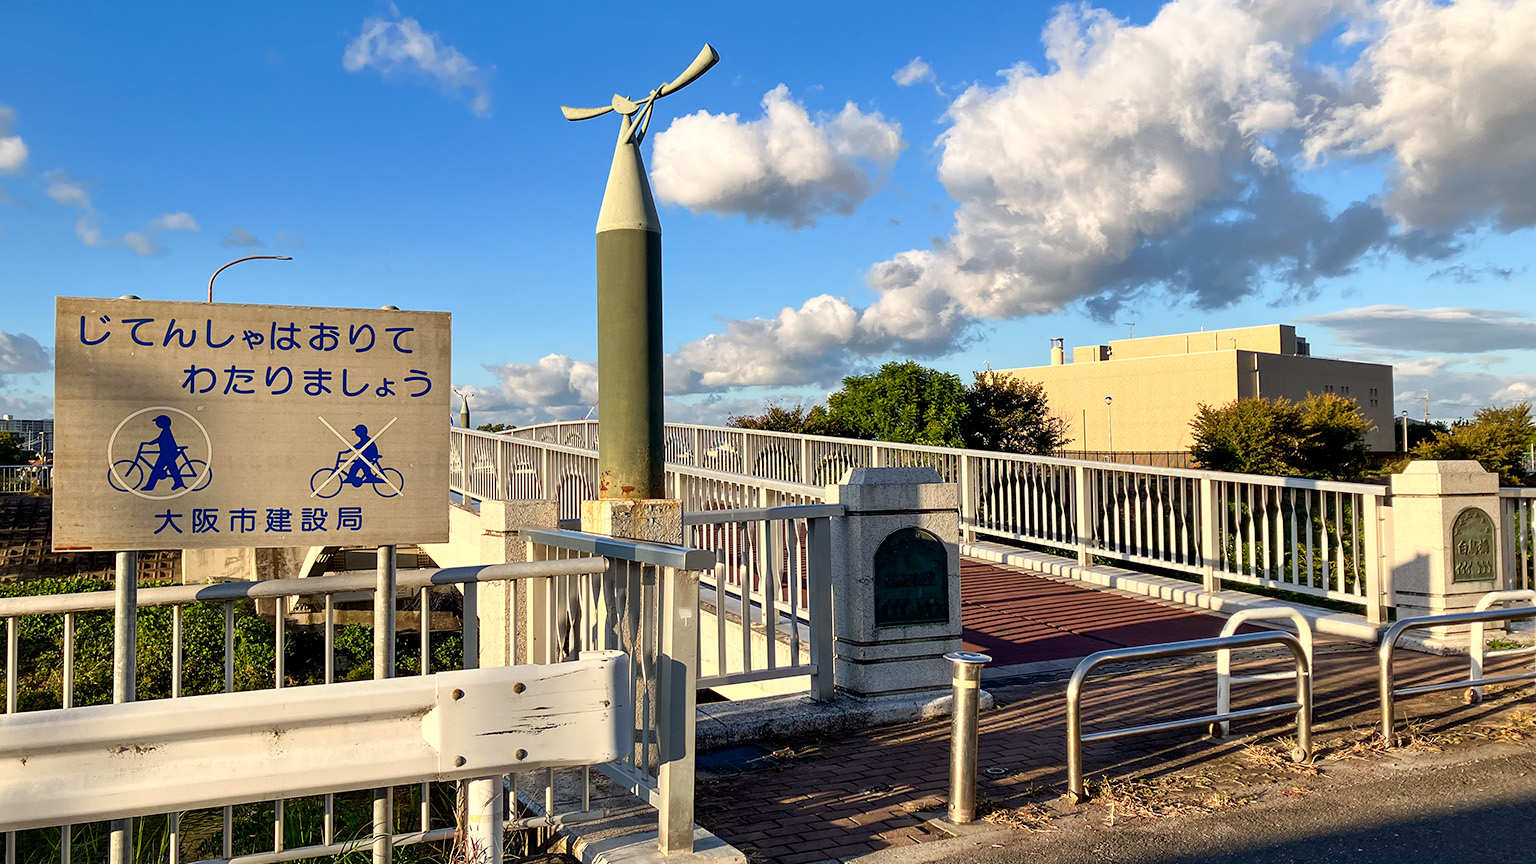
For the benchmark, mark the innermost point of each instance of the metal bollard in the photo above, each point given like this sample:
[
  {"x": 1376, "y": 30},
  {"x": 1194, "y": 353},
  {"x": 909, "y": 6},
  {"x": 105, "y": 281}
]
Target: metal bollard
[{"x": 966, "y": 687}]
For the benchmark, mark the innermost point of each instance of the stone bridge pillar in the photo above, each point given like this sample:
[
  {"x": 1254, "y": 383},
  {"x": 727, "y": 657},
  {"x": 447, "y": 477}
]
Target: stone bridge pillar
[
  {"x": 896, "y": 581},
  {"x": 1446, "y": 538}
]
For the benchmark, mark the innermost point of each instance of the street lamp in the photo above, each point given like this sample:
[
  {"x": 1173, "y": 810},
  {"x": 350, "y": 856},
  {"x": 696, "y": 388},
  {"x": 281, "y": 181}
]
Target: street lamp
[
  {"x": 237, "y": 261},
  {"x": 1109, "y": 420},
  {"x": 1405, "y": 431}
]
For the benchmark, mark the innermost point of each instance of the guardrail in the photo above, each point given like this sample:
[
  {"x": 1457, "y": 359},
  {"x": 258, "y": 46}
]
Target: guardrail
[
  {"x": 772, "y": 576},
  {"x": 1387, "y": 686},
  {"x": 185, "y": 600},
  {"x": 1479, "y": 647},
  {"x": 1302, "y": 706},
  {"x": 1311, "y": 537},
  {"x": 25, "y": 478}
]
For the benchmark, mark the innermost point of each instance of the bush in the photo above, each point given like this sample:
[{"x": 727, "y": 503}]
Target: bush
[
  {"x": 1011, "y": 415},
  {"x": 1322, "y": 437},
  {"x": 1496, "y": 438}
]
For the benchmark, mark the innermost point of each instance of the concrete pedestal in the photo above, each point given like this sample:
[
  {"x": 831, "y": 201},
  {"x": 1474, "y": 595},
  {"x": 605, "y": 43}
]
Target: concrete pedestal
[
  {"x": 877, "y": 653},
  {"x": 654, "y": 520},
  {"x": 1427, "y": 500}
]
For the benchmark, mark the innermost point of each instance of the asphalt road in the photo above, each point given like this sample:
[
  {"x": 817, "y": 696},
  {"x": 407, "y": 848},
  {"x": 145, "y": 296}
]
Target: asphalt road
[{"x": 1394, "y": 811}]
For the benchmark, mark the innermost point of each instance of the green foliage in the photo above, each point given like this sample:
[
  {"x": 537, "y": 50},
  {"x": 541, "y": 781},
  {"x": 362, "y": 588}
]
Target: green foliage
[
  {"x": 1011, "y": 415},
  {"x": 903, "y": 403},
  {"x": 777, "y": 418},
  {"x": 495, "y": 427},
  {"x": 1322, "y": 437},
  {"x": 11, "y": 450},
  {"x": 1497, "y": 438}
]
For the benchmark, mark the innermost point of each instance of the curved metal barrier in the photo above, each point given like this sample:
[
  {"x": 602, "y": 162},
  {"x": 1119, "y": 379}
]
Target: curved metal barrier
[
  {"x": 1475, "y": 682},
  {"x": 1224, "y": 679},
  {"x": 1479, "y": 647},
  {"x": 1302, "y": 706}
]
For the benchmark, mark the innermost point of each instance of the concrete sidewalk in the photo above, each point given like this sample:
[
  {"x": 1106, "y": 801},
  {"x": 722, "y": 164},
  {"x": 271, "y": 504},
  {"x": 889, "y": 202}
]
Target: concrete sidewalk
[{"x": 832, "y": 800}]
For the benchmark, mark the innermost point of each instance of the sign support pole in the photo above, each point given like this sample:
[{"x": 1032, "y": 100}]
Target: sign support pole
[
  {"x": 125, "y": 640},
  {"x": 384, "y": 667}
]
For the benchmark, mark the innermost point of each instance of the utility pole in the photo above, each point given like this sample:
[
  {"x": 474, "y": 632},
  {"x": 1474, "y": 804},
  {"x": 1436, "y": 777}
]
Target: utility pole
[{"x": 629, "y": 368}]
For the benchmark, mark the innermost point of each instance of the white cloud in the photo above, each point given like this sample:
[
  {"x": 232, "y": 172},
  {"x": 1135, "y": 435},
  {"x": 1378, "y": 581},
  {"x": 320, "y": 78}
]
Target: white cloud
[
  {"x": 916, "y": 71},
  {"x": 21, "y": 354},
  {"x": 1456, "y": 387},
  {"x": 69, "y": 192},
  {"x": 13, "y": 150},
  {"x": 783, "y": 167},
  {"x": 554, "y": 380},
  {"x": 1458, "y": 330},
  {"x": 1448, "y": 92},
  {"x": 239, "y": 238},
  {"x": 400, "y": 47}
]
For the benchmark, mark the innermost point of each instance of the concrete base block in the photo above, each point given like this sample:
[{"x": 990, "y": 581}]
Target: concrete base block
[
  {"x": 655, "y": 520},
  {"x": 723, "y": 724}
]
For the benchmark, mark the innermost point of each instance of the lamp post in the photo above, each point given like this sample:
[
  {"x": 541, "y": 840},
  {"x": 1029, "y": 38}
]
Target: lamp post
[
  {"x": 237, "y": 261},
  {"x": 1109, "y": 421},
  {"x": 1405, "y": 431},
  {"x": 629, "y": 355}
]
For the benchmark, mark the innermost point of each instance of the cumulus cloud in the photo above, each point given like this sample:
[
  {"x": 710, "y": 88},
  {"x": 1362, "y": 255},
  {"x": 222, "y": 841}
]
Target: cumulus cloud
[
  {"x": 21, "y": 354},
  {"x": 13, "y": 150},
  {"x": 784, "y": 166},
  {"x": 69, "y": 192},
  {"x": 397, "y": 47},
  {"x": 238, "y": 238},
  {"x": 1444, "y": 330},
  {"x": 552, "y": 381},
  {"x": 1448, "y": 93},
  {"x": 914, "y": 72},
  {"x": 1168, "y": 162}
]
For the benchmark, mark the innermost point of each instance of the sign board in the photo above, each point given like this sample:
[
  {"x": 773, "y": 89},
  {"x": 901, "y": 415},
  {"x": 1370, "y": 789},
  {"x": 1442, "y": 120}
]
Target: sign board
[
  {"x": 911, "y": 579},
  {"x": 196, "y": 425},
  {"x": 1472, "y": 547}
]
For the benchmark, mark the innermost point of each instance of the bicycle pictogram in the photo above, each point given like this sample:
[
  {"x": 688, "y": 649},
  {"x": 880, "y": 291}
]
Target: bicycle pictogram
[
  {"x": 157, "y": 460},
  {"x": 358, "y": 466}
]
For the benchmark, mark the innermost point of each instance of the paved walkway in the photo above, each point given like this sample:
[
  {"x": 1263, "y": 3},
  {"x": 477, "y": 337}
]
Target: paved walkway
[{"x": 836, "y": 799}]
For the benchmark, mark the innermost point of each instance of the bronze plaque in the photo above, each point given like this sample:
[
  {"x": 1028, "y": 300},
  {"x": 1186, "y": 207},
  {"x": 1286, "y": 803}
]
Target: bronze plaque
[
  {"x": 197, "y": 425},
  {"x": 1472, "y": 547},
  {"x": 911, "y": 579}
]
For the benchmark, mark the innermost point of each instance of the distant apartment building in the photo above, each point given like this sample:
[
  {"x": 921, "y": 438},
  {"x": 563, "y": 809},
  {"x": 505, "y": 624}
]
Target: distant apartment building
[
  {"x": 36, "y": 435},
  {"x": 1155, "y": 384}
]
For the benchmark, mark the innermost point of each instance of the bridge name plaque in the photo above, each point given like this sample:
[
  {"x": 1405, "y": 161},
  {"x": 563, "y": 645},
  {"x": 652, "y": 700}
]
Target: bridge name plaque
[
  {"x": 1472, "y": 547},
  {"x": 197, "y": 425},
  {"x": 911, "y": 579}
]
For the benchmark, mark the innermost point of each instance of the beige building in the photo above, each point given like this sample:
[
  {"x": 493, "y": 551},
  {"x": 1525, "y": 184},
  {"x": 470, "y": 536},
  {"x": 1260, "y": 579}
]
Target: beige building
[{"x": 1156, "y": 383}]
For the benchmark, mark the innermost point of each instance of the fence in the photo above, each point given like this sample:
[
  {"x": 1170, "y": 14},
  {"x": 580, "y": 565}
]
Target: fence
[
  {"x": 1519, "y": 525},
  {"x": 1314, "y": 538},
  {"x": 580, "y": 593},
  {"x": 25, "y": 478}
]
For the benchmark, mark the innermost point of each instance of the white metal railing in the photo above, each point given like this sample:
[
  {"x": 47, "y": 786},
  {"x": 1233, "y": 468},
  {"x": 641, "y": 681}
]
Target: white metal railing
[
  {"x": 772, "y": 579},
  {"x": 1518, "y": 515},
  {"x": 578, "y": 593},
  {"x": 25, "y": 478},
  {"x": 1309, "y": 537}
]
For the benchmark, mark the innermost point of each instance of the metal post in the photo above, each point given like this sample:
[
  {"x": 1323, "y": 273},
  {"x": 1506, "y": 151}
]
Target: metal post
[
  {"x": 676, "y": 697},
  {"x": 965, "y": 687},
  {"x": 1084, "y": 530},
  {"x": 1207, "y": 514},
  {"x": 125, "y": 673},
  {"x": 384, "y": 667},
  {"x": 818, "y": 544}
]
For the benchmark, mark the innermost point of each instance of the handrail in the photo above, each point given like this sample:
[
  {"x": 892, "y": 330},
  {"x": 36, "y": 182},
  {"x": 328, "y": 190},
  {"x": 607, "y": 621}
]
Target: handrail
[
  {"x": 1302, "y": 706},
  {"x": 176, "y": 595},
  {"x": 1386, "y": 682},
  {"x": 759, "y": 514},
  {"x": 1224, "y": 679},
  {"x": 1479, "y": 648},
  {"x": 1192, "y": 473},
  {"x": 658, "y": 554}
]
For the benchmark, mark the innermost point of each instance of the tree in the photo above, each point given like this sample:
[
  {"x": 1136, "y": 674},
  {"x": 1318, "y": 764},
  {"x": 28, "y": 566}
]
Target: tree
[
  {"x": 495, "y": 427},
  {"x": 1497, "y": 438},
  {"x": 777, "y": 418},
  {"x": 903, "y": 403},
  {"x": 11, "y": 450},
  {"x": 1011, "y": 415},
  {"x": 1321, "y": 437}
]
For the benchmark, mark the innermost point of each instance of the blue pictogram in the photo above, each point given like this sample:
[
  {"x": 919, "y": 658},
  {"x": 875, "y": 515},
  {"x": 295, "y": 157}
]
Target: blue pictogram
[
  {"x": 358, "y": 466},
  {"x": 158, "y": 460}
]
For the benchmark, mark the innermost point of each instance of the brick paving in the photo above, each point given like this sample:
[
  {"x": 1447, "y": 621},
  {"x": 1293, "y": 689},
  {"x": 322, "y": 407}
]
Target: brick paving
[{"x": 839, "y": 798}]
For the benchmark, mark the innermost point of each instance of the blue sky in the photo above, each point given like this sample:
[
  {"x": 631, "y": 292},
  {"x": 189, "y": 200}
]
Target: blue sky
[{"x": 852, "y": 183}]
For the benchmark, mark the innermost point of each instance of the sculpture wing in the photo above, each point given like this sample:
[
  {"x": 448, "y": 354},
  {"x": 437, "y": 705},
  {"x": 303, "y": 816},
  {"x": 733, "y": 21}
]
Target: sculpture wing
[
  {"x": 584, "y": 113},
  {"x": 701, "y": 64}
]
